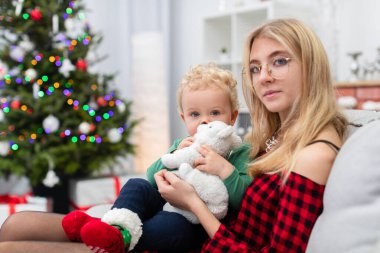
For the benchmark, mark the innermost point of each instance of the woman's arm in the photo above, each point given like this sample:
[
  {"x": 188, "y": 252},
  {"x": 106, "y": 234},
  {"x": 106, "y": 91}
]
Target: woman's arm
[
  {"x": 299, "y": 192},
  {"x": 182, "y": 195}
]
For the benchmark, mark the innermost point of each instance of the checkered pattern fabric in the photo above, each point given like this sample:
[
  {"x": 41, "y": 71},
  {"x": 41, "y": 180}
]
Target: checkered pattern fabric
[{"x": 273, "y": 218}]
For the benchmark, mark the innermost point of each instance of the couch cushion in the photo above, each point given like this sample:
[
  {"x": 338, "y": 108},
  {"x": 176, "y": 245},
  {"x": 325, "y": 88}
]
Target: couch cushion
[
  {"x": 358, "y": 118},
  {"x": 350, "y": 221}
]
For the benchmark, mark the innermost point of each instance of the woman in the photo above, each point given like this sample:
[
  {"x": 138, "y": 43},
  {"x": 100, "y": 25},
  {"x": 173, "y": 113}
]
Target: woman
[{"x": 297, "y": 132}]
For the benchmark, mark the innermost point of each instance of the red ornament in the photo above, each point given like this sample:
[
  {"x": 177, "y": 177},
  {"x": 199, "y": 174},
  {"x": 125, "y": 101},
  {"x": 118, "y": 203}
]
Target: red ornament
[
  {"x": 92, "y": 127},
  {"x": 81, "y": 65},
  {"x": 36, "y": 14},
  {"x": 15, "y": 104},
  {"x": 101, "y": 101}
]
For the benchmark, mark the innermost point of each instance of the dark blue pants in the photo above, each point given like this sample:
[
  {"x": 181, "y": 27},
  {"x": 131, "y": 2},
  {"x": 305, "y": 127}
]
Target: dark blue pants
[{"x": 162, "y": 231}]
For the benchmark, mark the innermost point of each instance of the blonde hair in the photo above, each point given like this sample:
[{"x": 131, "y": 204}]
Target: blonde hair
[
  {"x": 311, "y": 113},
  {"x": 209, "y": 76}
]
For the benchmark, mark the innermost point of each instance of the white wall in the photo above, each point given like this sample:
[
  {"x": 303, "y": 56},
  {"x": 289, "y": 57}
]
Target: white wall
[
  {"x": 186, "y": 48},
  {"x": 110, "y": 20}
]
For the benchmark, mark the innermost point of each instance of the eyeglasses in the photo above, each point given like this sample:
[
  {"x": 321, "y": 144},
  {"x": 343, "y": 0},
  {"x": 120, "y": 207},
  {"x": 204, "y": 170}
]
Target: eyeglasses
[{"x": 278, "y": 68}]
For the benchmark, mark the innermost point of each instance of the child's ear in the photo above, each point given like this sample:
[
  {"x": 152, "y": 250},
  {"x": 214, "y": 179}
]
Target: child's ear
[
  {"x": 234, "y": 116},
  {"x": 182, "y": 117}
]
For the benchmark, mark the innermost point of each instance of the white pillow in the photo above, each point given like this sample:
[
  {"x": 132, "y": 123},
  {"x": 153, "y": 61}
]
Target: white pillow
[
  {"x": 350, "y": 221},
  {"x": 377, "y": 247}
]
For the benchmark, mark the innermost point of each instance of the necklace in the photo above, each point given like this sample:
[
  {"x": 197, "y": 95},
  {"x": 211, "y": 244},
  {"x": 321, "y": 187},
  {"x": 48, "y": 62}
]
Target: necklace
[{"x": 271, "y": 142}]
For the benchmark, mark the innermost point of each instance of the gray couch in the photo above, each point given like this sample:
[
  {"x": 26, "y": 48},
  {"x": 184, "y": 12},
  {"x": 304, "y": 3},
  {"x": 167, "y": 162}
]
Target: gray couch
[{"x": 350, "y": 222}]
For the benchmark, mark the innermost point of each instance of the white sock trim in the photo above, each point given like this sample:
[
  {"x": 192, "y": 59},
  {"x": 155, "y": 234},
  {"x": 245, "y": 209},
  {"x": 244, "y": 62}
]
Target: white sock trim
[{"x": 128, "y": 220}]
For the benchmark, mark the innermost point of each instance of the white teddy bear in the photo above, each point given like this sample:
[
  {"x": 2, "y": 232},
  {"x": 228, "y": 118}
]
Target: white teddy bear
[{"x": 222, "y": 139}]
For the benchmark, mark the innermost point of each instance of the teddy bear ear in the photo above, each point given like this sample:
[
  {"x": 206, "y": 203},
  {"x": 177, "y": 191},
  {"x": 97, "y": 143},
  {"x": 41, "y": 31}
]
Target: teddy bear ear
[{"x": 225, "y": 132}]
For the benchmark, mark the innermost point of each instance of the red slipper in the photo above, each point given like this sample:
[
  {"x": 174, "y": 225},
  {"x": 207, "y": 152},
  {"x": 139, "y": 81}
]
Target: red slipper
[
  {"x": 102, "y": 237},
  {"x": 73, "y": 222}
]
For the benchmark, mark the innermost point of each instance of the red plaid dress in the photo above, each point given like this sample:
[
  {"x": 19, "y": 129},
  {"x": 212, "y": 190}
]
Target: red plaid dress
[{"x": 272, "y": 218}]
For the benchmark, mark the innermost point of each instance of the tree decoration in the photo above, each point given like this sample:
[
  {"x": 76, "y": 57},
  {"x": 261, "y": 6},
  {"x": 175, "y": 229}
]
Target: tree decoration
[
  {"x": 93, "y": 104},
  {"x": 26, "y": 44},
  {"x": 36, "y": 90},
  {"x": 59, "y": 41},
  {"x": 121, "y": 106},
  {"x": 81, "y": 65},
  {"x": 31, "y": 74},
  {"x": 17, "y": 53},
  {"x": 74, "y": 27},
  {"x": 14, "y": 71},
  {"x": 51, "y": 178},
  {"x": 114, "y": 135},
  {"x": 101, "y": 101},
  {"x": 50, "y": 124},
  {"x": 4, "y": 148},
  {"x": 15, "y": 104},
  {"x": 66, "y": 67},
  {"x": 3, "y": 69},
  {"x": 84, "y": 127},
  {"x": 92, "y": 127},
  {"x": 2, "y": 116},
  {"x": 36, "y": 14},
  {"x": 19, "y": 6},
  {"x": 55, "y": 23}
]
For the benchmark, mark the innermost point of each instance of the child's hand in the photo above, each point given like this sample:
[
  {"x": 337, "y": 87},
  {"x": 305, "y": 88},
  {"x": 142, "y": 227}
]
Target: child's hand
[
  {"x": 186, "y": 142},
  {"x": 212, "y": 163},
  {"x": 175, "y": 190}
]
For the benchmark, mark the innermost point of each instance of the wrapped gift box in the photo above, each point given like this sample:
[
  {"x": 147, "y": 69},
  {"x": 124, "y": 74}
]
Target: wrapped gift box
[
  {"x": 86, "y": 193},
  {"x": 12, "y": 204},
  {"x": 14, "y": 185}
]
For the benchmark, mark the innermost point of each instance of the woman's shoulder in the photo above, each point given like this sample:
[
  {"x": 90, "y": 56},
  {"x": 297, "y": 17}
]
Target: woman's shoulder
[{"x": 316, "y": 159}]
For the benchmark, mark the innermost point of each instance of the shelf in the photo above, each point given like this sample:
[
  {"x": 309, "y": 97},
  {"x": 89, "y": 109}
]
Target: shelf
[
  {"x": 253, "y": 7},
  {"x": 371, "y": 83}
]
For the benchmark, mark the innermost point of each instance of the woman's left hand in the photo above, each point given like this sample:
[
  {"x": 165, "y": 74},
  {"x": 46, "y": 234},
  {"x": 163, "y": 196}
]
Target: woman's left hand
[{"x": 176, "y": 191}]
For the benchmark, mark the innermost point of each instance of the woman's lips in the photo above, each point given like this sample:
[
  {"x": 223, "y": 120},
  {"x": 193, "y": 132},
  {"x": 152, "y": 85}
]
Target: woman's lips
[{"x": 271, "y": 93}]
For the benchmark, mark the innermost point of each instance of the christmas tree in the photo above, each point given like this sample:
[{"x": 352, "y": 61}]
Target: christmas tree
[{"x": 57, "y": 119}]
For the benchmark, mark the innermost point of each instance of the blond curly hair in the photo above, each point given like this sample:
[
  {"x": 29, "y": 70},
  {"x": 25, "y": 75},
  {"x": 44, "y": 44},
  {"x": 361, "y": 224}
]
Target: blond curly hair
[{"x": 209, "y": 76}]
